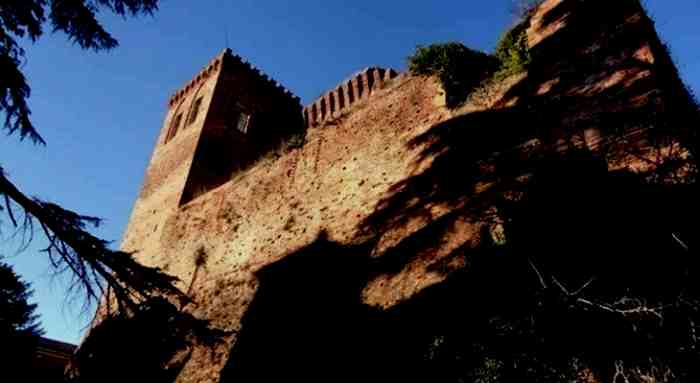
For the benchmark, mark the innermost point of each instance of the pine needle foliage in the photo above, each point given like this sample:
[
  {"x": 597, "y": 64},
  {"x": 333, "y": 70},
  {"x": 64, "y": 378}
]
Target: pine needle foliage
[
  {"x": 94, "y": 266},
  {"x": 19, "y": 324}
]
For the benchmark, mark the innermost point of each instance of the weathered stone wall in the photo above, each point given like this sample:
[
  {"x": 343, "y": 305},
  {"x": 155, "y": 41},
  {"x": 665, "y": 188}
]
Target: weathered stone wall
[{"x": 392, "y": 172}]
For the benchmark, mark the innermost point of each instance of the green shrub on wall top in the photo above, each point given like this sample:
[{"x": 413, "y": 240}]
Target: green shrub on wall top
[
  {"x": 512, "y": 50},
  {"x": 459, "y": 68}
]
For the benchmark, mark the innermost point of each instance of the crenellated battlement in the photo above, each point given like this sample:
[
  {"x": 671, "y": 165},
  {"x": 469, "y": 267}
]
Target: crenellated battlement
[
  {"x": 203, "y": 74},
  {"x": 232, "y": 104},
  {"x": 263, "y": 80},
  {"x": 358, "y": 87},
  {"x": 227, "y": 58}
]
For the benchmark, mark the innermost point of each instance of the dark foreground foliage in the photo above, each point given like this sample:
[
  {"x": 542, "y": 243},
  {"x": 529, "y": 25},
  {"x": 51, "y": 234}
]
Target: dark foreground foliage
[
  {"x": 71, "y": 248},
  {"x": 151, "y": 343},
  {"x": 19, "y": 326}
]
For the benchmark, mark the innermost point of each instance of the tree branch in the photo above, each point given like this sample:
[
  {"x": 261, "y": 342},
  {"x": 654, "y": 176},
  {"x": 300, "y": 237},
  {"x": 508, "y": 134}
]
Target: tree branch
[{"x": 88, "y": 258}]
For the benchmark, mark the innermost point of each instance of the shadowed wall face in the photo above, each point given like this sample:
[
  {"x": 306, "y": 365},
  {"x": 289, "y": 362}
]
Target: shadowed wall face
[{"x": 50, "y": 362}]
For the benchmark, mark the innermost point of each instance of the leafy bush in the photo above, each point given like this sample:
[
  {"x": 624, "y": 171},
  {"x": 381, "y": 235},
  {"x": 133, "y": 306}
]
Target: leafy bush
[
  {"x": 459, "y": 68},
  {"x": 512, "y": 50}
]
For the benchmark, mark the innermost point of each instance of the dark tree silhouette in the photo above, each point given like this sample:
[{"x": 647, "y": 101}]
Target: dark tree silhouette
[
  {"x": 19, "y": 327},
  {"x": 151, "y": 344},
  {"x": 71, "y": 248}
]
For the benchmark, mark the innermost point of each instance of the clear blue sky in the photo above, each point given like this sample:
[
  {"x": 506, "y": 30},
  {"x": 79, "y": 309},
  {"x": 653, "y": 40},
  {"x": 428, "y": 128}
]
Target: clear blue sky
[{"x": 100, "y": 113}]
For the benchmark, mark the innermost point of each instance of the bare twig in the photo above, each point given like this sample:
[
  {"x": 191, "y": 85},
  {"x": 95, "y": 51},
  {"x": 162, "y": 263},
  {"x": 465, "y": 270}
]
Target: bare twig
[
  {"x": 680, "y": 242},
  {"x": 8, "y": 207},
  {"x": 584, "y": 286},
  {"x": 539, "y": 275}
]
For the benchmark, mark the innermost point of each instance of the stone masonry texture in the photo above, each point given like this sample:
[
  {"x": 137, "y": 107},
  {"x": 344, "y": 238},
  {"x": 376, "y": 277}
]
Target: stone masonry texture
[{"x": 366, "y": 169}]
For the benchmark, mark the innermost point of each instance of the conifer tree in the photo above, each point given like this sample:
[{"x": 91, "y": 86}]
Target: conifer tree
[
  {"x": 71, "y": 247},
  {"x": 19, "y": 326}
]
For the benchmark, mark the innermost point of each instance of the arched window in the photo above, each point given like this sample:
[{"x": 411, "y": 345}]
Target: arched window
[
  {"x": 174, "y": 126},
  {"x": 194, "y": 111}
]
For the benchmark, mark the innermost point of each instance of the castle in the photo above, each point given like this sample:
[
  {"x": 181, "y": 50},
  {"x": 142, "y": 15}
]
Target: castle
[
  {"x": 288, "y": 263},
  {"x": 230, "y": 113}
]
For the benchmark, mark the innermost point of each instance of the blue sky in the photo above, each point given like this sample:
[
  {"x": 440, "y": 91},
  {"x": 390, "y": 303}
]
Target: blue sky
[{"x": 100, "y": 113}]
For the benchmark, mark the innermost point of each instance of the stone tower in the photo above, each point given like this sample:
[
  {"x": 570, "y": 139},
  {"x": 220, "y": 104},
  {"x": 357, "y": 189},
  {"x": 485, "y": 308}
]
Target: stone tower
[{"x": 227, "y": 116}]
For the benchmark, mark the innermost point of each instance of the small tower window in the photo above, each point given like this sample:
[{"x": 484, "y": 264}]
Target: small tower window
[
  {"x": 174, "y": 126},
  {"x": 243, "y": 122},
  {"x": 195, "y": 111},
  {"x": 239, "y": 120}
]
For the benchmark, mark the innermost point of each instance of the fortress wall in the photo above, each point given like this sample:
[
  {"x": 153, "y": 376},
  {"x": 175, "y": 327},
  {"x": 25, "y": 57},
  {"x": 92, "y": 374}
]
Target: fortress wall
[
  {"x": 244, "y": 220},
  {"x": 331, "y": 184},
  {"x": 348, "y": 93},
  {"x": 389, "y": 161}
]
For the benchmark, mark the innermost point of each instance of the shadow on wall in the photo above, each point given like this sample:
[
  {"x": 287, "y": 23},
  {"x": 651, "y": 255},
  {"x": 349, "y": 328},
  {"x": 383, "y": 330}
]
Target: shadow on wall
[
  {"x": 593, "y": 274},
  {"x": 152, "y": 344},
  {"x": 589, "y": 101},
  {"x": 308, "y": 323},
  {"x": 589, "y": 278}
]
